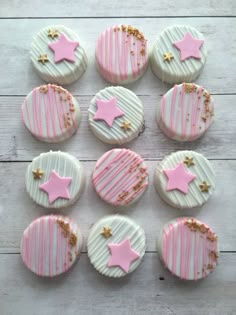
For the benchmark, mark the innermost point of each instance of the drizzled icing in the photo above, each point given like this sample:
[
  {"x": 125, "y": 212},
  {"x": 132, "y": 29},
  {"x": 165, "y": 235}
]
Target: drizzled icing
[
  {"x": 186, "y": 113},
  {"x": 121, "y": 230},
  {"x": 51, "y": 245},
  {"x": 121, "y": 54},
  {"x": 124, "y": 128},
  {"x": 51, "y": 113},
  {"x": 188, "y": 248},
  {"x": 176, "y": 71},
  {"x": 120, "y": 177},
  {"x": 200, "y": 168}
]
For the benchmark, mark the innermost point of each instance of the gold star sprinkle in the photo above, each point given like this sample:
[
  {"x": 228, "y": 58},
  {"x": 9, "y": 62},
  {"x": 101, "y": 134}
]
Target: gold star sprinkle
[
  {"x": 189, "y": 161},
  {"x": 53, "y": 33},
  {"x": 106, "y": 232},
  {"x": 38, "y": 173},
  {"x": 126, "y": 125},
  {"x": 168, "y": 56},
  {"x": 204, "y": 187},
  {"x": 43, "y": 58}
]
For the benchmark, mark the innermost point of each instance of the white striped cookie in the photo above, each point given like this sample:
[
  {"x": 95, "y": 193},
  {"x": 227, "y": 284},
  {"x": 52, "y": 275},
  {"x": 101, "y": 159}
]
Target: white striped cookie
[
  {"x": 55, "y": 179},
  {"x": 188, "y": 248},
  {"x": 116, "y": 245},
  {"x": 51, "y": 113},
  {"x": 51, "y": 245},
  {"x": 185, "y": 179},
  {"x": 121, "y": 54},
  {"x": 120, "y": 177},
  {"x": 67, "y": 64},
  {"x": 166, "y": 58},
  {"x": 127, "y": 125}
]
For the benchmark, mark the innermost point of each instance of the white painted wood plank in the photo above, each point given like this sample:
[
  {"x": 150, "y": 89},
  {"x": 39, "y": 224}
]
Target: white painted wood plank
[
  {"x": 17, "y": 144},
  {"x": 95, "y": 8},
  {"x": 19, "y": 77},
  {"x": 83, "y": 291},
  {"x": 17, "y": 210}
]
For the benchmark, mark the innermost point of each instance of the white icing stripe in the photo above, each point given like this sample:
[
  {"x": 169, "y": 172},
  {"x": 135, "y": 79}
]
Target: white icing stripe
[
  {"x": 132, "y": 107},
  {"x": 64, "y": 72},
  {"x": 203, "y": 171},
  {"x": 49, "y": 116},
  {"x": 45, "y": 250},
  {"x": 176, "y": 71},
  {"x": 66, "y": 166},
  {"x": 122, "y": 228},
  {"x": 121, "y": 178}
]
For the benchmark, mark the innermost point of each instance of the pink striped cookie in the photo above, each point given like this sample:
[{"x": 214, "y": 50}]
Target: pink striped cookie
[
  {"x": 188, "y": 248},
  {"x": 186, "y": 112},
  {"x": 51, "y": 113},
  {"x": 51, "y": 245},
  {"x": 121, "y": 54},
  {"x": 120, "y": 177}
]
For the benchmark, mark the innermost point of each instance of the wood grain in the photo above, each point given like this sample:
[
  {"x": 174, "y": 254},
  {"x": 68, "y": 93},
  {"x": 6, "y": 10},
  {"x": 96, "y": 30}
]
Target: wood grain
[
  {"x": 103, "y": 8},
  {"x": 218, "y": 76},
  {"x": 83, "y": 291},
  {"x": 18, "y": 210}
]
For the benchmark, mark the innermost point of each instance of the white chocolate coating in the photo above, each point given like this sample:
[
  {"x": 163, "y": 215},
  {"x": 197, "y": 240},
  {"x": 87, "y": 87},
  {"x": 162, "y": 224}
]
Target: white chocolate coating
[
  {"x": 122, "y": 228},
  {"x": 186, "y": 112},
  {"x": 203, "y": 171},
  {"x": 132, "y": 107},
  {"x": 51, "y": 113},
  {"x": 66, "y": 166},
  {"x": 47, "y": 249},
  {"x": 176, "y": 71},
  {"x": 63, "y": 72},
  {"x": 188, "y": 248}
]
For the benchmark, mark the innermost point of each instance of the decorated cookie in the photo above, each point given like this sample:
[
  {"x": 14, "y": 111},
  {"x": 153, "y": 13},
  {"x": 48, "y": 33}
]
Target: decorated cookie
[
  {"x": 121, "y": 54},
  {"x": 116, "y": 115},
  {"x": 186, "y": 112},
  {"x": 55, "y": 179},
  {"x": 120, "y": 177},
  {"x": 57, "y": 55},
  {"x": 51, "y": 245},
  {"x": 116, "y": 246},
  {"x": 179, "y": 54},
  {"x": 188, "y": 248},
  {"x": 51, "y": 113},
  {"x": 185, "y": 179}
]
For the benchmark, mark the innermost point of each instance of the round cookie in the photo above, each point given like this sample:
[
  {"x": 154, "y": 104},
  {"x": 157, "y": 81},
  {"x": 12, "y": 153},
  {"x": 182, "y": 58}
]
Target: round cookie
[
  {"x": 57, "y": 55},
  {"x": 178, "y": 55},
  {"x": 186, "y": 112},
  {"x": 51, "y": 113},
  {"x": 185, "y": 179},
  {"x": 116, "y": 246},
  {"x": 120, "y": 177},
  {"x": 116, "y": 115},
  {"x": 121, "y": 54},
  {"x": 55, "y": 179},
  {"x": 51, "y": 245},
  {"x": 188, "y": 248}
]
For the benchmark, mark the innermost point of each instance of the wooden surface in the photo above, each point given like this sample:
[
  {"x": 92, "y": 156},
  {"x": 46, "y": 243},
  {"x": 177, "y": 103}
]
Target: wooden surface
[{"x": 150, "y": 289}]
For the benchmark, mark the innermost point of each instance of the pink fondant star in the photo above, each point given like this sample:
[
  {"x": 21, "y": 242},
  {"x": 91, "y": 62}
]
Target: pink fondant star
[
  {"x": 56, "y": 187},
  {"x": 107, "y": 110},
  {"x": 179, "y": 178},
  {"x": 189, "y": 47},
  {"x": 122, "y": 255},
  {"x": 64, "y": 49}
]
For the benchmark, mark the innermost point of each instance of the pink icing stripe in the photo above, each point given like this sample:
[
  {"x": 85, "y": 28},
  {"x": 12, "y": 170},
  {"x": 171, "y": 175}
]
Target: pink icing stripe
[
  {"x": 111, "y": 50},
  {"x": 106, "y": 50},
  {"x": 184, "y": 114},
  {"x": 41, "y": 257},
  {"x": 172, "y": 112},
  {"x": 103, "y": 159}
]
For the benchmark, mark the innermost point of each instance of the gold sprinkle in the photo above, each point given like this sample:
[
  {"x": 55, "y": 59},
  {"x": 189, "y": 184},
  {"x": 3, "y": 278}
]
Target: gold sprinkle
[
  {"x": 52, "y": 33},
  {"x": 168, "y": 56},
  {"x": 43, "y": 89},
  {"x": 38, "y": 173},
  {"x": 189, "y": 87},
  {"x": 106, "y": 232},
  {"x": 126, "y": 125},
  {"x": 43, "y": 58},
  {"x": 204, "y": 187},
  {"x": 142, "y": 52},
  {"x": 189, "y": 161}
]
